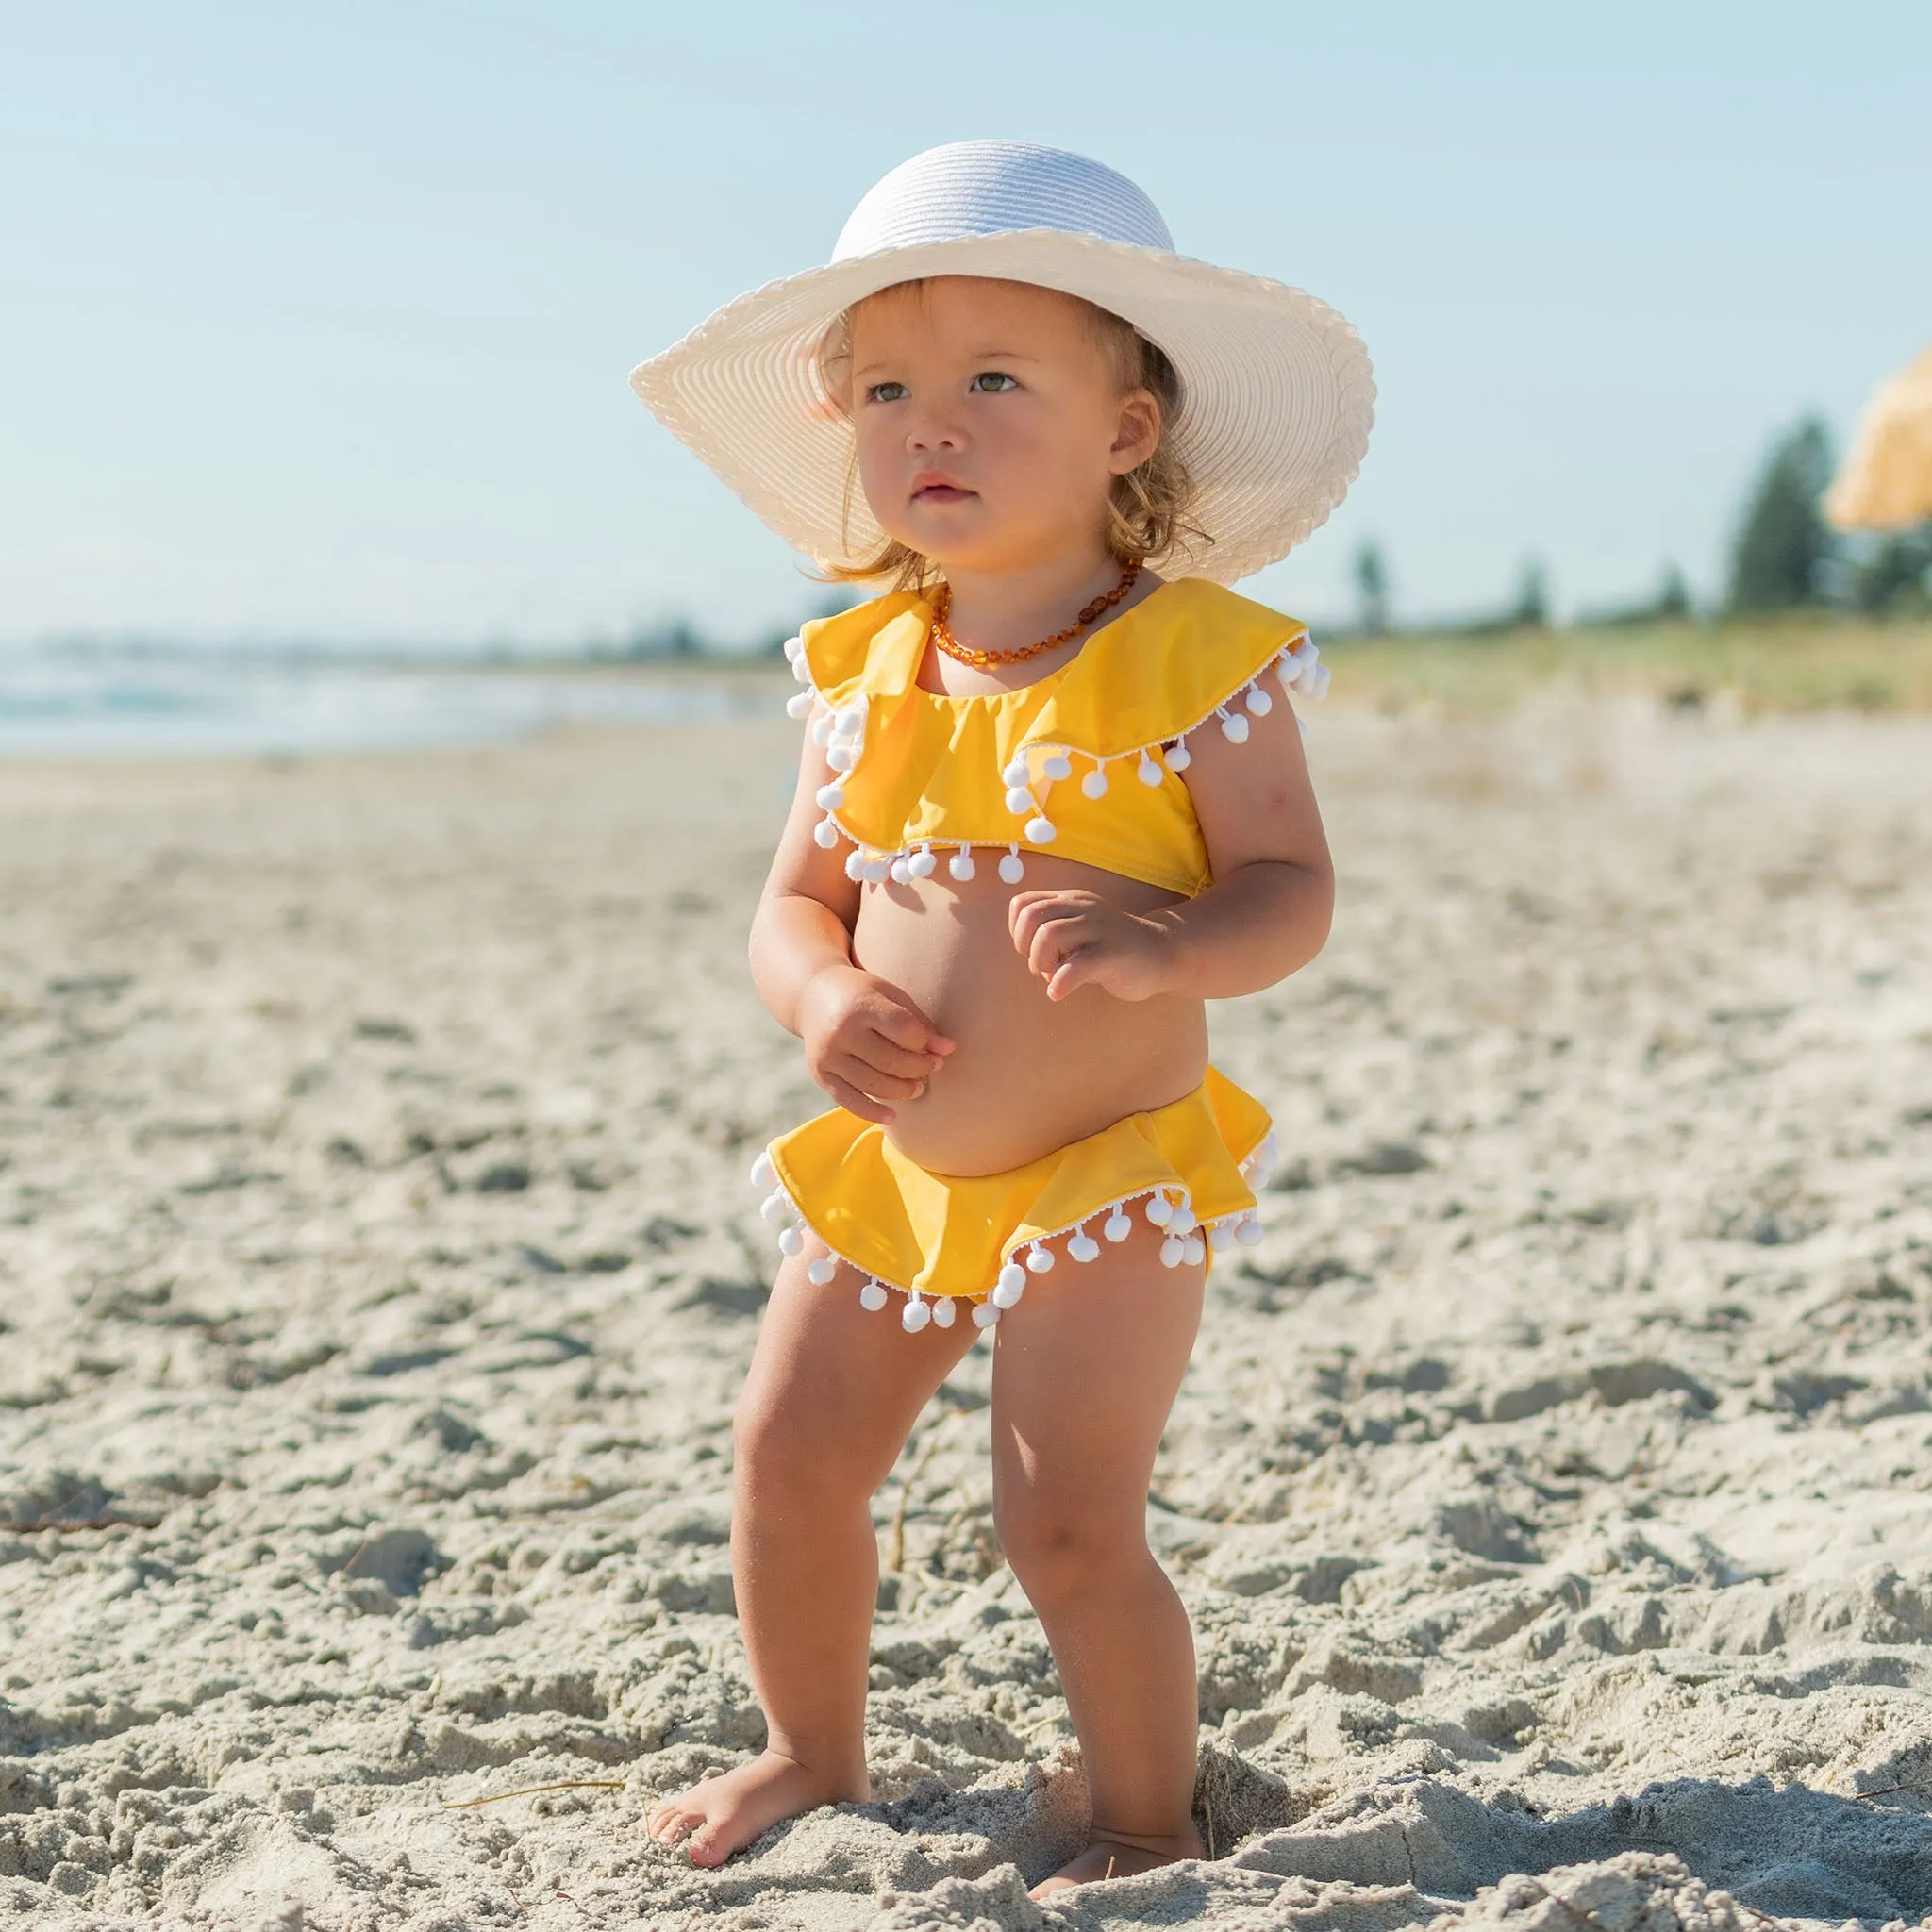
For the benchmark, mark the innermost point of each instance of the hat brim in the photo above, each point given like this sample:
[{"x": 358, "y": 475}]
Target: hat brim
[{"x": 1277, "y": 389}]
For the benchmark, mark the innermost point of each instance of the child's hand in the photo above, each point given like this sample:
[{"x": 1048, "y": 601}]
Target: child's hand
[
  {"x": 865, "y": 1043},
  {"x": 1073, "y": 939}
]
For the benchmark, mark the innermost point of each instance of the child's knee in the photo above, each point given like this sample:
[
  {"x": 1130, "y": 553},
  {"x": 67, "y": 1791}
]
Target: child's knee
[
  {"x": 1059, "y": 1545},
  {"x": 783, "y": 1453}
]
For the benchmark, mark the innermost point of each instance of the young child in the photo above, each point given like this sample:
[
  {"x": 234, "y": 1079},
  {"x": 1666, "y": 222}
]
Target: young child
[{"x": 1050, "y": 803}]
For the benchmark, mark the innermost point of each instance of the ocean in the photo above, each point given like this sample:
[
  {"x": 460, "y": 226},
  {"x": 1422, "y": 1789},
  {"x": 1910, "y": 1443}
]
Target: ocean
[{"x": 68, "y": 702}]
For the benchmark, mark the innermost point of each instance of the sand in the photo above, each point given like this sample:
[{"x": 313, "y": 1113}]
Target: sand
[{"x": 1550, "y": 1489}]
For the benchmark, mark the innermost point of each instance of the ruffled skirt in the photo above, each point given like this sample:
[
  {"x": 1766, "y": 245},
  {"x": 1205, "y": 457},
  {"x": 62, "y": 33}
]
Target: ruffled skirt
[{"x": 1191, "y": 1167}]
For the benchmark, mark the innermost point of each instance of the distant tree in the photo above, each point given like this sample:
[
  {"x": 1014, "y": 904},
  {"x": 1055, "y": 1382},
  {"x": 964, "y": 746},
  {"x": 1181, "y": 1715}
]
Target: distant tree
[
  {"x": 1669, "y": 603},
  {"x": 677, "y": 637},
  {"x": 1783, "y": 546},
  {"x": 1674, "y": 595},
  {"x": 1531, "y": 611},
  {"x": 1372, "y": 587},
  {"x": 1896, "y": 576}
]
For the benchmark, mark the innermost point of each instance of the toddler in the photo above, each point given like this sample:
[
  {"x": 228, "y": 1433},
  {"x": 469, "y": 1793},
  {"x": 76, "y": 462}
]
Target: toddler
[{"x": 1052, "y": 800}]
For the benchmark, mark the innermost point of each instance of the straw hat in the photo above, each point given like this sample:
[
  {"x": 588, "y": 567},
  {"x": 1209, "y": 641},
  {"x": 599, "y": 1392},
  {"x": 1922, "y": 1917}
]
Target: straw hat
[
  {"x": 1276, "y": 394},
  {"x": 1887, "y": 479}
]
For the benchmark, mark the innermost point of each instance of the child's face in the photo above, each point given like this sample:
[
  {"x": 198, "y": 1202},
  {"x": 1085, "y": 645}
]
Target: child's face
[{"x": 990, "y": 420}]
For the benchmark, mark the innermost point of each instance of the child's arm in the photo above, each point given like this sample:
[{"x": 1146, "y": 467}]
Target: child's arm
[
  {"x": 1265, "y": 916},
  {"x": 865, "y": 1043}
]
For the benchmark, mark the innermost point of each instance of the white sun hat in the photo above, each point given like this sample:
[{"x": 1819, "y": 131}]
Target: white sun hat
[{"x": 1277, "y": 392}]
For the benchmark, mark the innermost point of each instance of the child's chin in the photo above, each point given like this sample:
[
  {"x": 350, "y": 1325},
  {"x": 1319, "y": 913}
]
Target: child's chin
[{"x": 932, "y": 524}]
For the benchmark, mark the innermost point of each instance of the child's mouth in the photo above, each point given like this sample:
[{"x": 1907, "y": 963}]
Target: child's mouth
[{"x": 940, "y": 493}]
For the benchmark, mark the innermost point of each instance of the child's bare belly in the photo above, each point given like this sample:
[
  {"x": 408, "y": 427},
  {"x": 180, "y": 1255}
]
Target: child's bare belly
[{"x": 1028, "y": 1073}]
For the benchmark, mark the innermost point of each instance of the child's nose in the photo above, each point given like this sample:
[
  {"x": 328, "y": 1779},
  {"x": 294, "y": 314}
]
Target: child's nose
[{"x": 931, "y": 433}]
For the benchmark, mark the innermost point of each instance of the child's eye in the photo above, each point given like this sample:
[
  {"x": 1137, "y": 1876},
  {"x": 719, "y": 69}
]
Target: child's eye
[
  {"x": 992, "y": 382},
  {"x": 887, "y": 393}
]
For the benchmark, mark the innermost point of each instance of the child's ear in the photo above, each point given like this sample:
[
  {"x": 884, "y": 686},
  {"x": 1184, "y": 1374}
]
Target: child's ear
[{"x": 1137, "y": 435}]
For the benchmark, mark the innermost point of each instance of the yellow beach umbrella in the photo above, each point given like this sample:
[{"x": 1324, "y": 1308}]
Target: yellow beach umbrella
[{"x": 1887, "y": 479}]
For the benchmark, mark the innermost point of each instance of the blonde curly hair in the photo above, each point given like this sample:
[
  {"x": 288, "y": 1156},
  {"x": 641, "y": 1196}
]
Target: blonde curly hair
[{"x": 1147, "y": 508}]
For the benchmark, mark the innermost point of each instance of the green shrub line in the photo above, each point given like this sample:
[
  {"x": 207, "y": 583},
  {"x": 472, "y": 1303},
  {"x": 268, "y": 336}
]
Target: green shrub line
[{"x": 1798, "y": 663}]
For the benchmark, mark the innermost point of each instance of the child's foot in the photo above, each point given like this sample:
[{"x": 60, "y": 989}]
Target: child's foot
[
  {"x": 719, "y": 1815},
  {"x": 1114, "y": 1857}
]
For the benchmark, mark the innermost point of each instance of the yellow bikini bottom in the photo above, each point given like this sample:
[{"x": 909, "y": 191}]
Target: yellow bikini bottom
[{"x": 940, "y": 1240}]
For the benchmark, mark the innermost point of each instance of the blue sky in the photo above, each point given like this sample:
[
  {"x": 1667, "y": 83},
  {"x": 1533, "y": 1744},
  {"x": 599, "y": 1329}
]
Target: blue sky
[{"x": 315, "y": 322}]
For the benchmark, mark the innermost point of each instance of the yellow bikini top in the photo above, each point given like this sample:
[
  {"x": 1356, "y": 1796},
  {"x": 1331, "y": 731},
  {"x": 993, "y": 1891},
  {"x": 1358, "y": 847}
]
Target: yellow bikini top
[{"x": 1087, "y": 761}]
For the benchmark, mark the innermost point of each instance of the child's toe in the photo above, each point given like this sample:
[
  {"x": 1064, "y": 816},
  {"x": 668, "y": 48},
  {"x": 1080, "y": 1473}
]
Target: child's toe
[
  {"x": 672, "y": 1823},
  {"x": 707, "y": 1846}
]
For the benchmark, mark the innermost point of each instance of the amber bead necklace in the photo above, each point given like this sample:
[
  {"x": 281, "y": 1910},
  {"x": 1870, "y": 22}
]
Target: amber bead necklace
[{"x": 943, "y": 637}]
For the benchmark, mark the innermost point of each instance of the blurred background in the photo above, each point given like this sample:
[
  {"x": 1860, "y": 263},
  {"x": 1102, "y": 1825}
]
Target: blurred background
[{"x": 316, "y": 323}]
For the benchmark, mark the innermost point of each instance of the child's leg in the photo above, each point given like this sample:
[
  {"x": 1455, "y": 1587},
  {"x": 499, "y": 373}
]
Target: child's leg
[
  {"x": 1086, "y": 1370},
  {"x": 832, "y": 1394}
]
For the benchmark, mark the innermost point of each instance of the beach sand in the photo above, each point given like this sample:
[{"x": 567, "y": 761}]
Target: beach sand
[{"x": 1550, "y": 1489}]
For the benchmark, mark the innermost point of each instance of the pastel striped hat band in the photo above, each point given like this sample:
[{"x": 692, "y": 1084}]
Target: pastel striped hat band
[{"x": 1276, "y": 391}]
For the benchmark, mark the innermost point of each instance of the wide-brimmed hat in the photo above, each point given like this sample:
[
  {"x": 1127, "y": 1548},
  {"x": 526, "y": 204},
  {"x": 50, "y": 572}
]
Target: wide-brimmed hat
[{"x": 1276, "y": 393}]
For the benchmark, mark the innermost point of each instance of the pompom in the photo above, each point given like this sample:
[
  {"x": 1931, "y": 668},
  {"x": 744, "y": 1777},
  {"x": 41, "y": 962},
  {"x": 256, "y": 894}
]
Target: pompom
[
  {"x": 822, "y": 1272},
  {"x": 1095, "y": 783},
  {"x": 799, "y": 705},
  {"x": 855, "y": 865},
  {"x": 793, "y": 645},
  {"x": 1118, "y": 1226},
  {"x": 841, "y": 758},
  {"x": 1248, "y": 1231},
  {"x": 944, "y": 1309},
  {"x": 775, "y": 1208},
  {"x": 1321, "y": 689},
  {"x": 902, "y": 872},
  {"x": 1020, "y": 801},
  {"x": 820, "y": 728},
  {"x": 1159, "y": 1210},
  {"x": 790, "y": 1242},
  {"x": 1011, "y": 869},
  {"x": 871, "y": 1297},
  {"x": 1042, "y": 832},
  {"x": 1147, "y": 770},
  {"x": 877, "y": 869},
  {"x": 1083, "y": 1247},
  {"x": 1172, "y": 1251},
  {"x": 1184, "y": 1221},
  {"x": 1194, "y": 1251},
  {"x": 824, "y": 835},
  {"x": 960, "y": 865},
  {"x": 985, "y": 1314},
  {"x": 1179, "y": 759},
  {"x": 851, "y": 718},
  {"x": 1016, "y": 777},
  {"x": 1039, "y": 1260},
  {"x": 922, "y": 863},
  {"x": 801, "y": 669},
  {"x": 1059, "y": 766},
  {"x": 830, "y": 797},
  {"x": 1011, "y": 1286},
  {"x": 763, "y": 1175},
  {"x": 1234, "y": 727},
  {"x": 1258, "y": 701},
  {"x": 914, "y": 1315}
]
